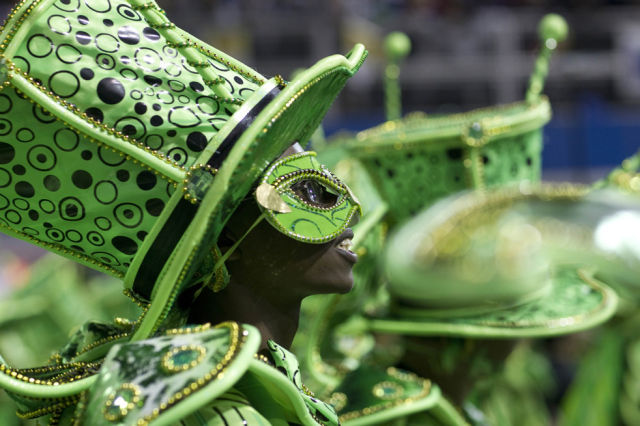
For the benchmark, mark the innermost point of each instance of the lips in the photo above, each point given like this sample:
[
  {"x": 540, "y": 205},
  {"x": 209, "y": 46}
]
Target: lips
[{"x": 343, "y": 245}]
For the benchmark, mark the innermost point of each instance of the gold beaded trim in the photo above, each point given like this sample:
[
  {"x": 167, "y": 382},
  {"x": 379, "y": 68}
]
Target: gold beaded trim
[
  {"x": 379, "y": 390},
  {"x": 57, "y": 407},
  {"x": 169, "y": 365},
  {"x": 338, "y": 400},
  {"x": 393, "y": 372},
  {"x": 188, "y": 330},
  {"x": 18, "y": 24},
  {"x": 101, "y": 342},
  {"x": 189, "y": 175},
  {"x": 122, "y": 410},
  {"x": 238, "y": 337}
]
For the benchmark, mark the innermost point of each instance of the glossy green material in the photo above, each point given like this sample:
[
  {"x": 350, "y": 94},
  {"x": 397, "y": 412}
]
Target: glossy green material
[
  {"x": 470, "y": 265},
  {"x": 305, "y": 221}
]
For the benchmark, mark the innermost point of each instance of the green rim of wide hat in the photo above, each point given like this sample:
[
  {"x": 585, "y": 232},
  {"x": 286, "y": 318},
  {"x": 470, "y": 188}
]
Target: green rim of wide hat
[
  {"x": 284, "y": 113},
  {"x": 451, "y": 274}
]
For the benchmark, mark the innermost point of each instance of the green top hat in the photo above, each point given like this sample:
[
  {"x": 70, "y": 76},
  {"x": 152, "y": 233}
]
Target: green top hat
[
  {"x": 504, "y": 264},
  {"x": 417, "y": 159},
  {"x": 127, "y": 143}
]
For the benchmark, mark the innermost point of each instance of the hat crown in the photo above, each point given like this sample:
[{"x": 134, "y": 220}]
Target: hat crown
[{"x": 106, "y": 106}]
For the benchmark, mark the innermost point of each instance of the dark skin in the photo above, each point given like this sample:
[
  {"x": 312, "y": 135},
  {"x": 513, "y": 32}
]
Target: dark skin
[{"x": 270, "y": 275}]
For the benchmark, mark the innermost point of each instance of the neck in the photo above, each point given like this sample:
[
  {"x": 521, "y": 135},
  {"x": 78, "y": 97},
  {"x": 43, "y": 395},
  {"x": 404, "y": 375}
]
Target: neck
[{"x": 269, "y": 311}]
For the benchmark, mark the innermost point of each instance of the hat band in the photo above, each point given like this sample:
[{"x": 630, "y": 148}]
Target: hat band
[{"x": 184, "y": 211}]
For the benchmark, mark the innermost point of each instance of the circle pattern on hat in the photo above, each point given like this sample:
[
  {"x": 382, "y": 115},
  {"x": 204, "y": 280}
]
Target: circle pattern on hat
[{"x": 105, "y": 58}]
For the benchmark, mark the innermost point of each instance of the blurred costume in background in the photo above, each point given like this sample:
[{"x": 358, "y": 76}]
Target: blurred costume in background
[
  {"x": 459, "y": 326},
  {"x": 127, "y": 145}
]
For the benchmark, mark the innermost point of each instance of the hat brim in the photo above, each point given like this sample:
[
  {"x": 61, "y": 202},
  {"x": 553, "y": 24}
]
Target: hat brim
[
  {"x": 293, "y": 115},
  {"x": 576, "y": 302}
]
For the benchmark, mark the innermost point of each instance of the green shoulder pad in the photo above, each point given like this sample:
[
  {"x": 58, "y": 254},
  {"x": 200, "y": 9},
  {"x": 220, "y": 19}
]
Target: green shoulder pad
[
  {"x": 165, "y": 378},
  {"x": 371, "y": 395}
]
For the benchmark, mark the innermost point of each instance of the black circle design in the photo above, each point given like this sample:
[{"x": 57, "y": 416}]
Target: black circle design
[
  {"x": 55, "y": 234},
  {"x": 152, "y": 80},
  {"x": 73, "y": 236},
  {"x": 47, "y": 206},
  {"x": 5, "y": 127},
  {"x": 19, "y": 169},
  {"x": 83, "y": 37},
  {"x": 122, "y": 175},
  {"x": 13, "y": 216},
  {"x": 148, "y": 59},
  {"x": 154, "y": 141},
  {"x": 107, "y": 22},
  {"x": 125, "y": 60},
  {"x": 141, "y": 235},
  {"x": 165, "y": 97},
  {"x": 25, "y": 189},
  {"x": 66, "y": 139},
  {"x": 105, "y": 191},
  {"x": 136, "y": 94},
  {"x": 86, "y": 155},
  {"x": 105, "y": 61},
  {"x": 217, "y": 122},
  {"x": 71, "y": 209},
  {"x": 7, "y": 153},
  {"x": 217, "y": 65},
  {"x": 127, "y": 12},
  {"x": 183, "y": 99},
  {"x": 107, "y": 43},
  {"x": 82, "y": 179},
  {"x": 5, "y": 104},
  {"x": 95, "y": 113},
  {"x": 172, "y": 69},
  {"x": 178, "y": 155},
  {"x": 110, "y": 91},
  {"x": 86, "y": 73},
  {"x": 104, "y": 257},
  {"x": 146, "y": 180},
  {"x": 22, "y": 63},
  {"x": 128, "y": 35},
  {"x": 21, "y": 204},
  {"x": 188, "y": 68},
  {"x": 207, "y": 105},
  {"x": 100, "y": 6},
  {"x": 183, "y": 117},
  {"x": 238, "y": 80},
  {"x": 67, "y": 5},
  {"x": 156, "y": 107},
  {"x": 156, "y": 120},
  {"x": 129, "y": 74},
  {"x": 25, "y": 135},
  {"x": 128, "y": 215},
  {"x": 171, "y": 133},
  {"x": 64, "y": 83},
  {"x": 95, "y": 238},
  {"x": 109, "y": 157},
  {"x": 231, "y": 88},
  {"x": 83, "y": 20},
  {"x": 59, "y": 24},
  {"x": 68, "y": 54},
  {"x": 149, "y": 91},
  {"x": 196, "y": 87},
  {"x": 51, "y": 182},
  {"x": 170, "y": 189},
  {"x": 39, "y": 46},
  {"x": 30, "y": 231},
  {"x": 154, "y": 206},
  {"x": 102, "y": 223},
  {"x": 34, "y": 215},
  {"x": 169, "y": 51},
  {"x": 245, "y": 92},
  {"x": 125, "y": 244},
  {"x": 42, "y": 158},
  {"x": 4, "y": 202},
  {"x": 176, "y": 85},
  {"x": 131, "y": 126},
  {"x": 42, "y": 115},
  {"x": 140, "y": 108},
  {"x": 150, "y": 34},
  {"x": 196, "y": 141}
]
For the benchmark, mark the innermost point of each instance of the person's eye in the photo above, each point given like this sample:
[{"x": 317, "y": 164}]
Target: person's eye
[{"x": 315, "y": 193}]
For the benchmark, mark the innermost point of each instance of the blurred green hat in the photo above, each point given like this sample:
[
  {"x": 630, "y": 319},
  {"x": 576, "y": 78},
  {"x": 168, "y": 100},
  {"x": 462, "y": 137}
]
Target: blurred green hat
[
  {"x": 503, "y": 264},
  {"x": 127, "y": 143},
  {"x": 419, "y": 158}
]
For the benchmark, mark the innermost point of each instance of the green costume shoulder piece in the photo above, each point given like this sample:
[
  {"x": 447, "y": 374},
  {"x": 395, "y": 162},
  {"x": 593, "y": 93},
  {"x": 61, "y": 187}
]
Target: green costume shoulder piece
[{"x": 165, "y": 378}]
